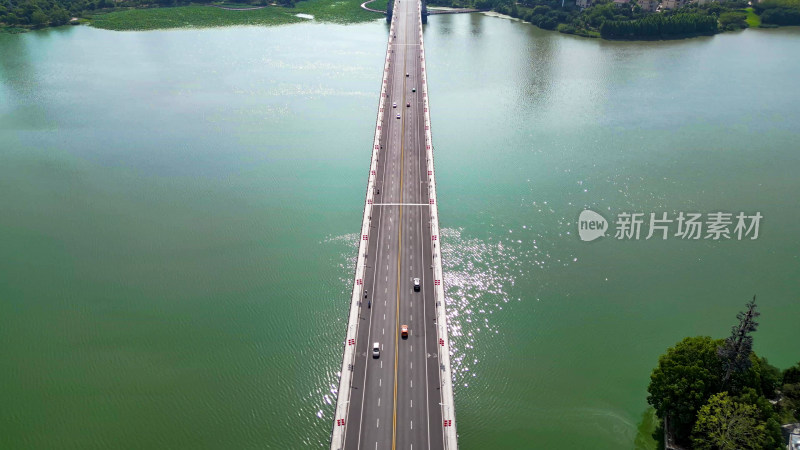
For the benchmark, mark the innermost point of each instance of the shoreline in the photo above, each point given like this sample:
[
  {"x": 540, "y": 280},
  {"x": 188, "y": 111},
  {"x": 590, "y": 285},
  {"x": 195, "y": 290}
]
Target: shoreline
[
  {"x": 351, "y": 11},
  {"x": 675, "y": 37},
  {"x": 217, "y": 15}
]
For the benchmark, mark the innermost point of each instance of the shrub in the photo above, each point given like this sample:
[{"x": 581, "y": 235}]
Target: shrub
[
  {"x": 733, "y": 18},
  {"x": 565, "y": 28},
  {"x": 39, "y": 19},
  {"x": 781, "y": 16}
]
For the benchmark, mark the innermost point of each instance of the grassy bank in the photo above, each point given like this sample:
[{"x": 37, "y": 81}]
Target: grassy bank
[
  {"x": 379, "y": 5},
  {"x": 196, "y": 16},
  {"x": 753, "y": 21},
  {"x": 11, "y": 29}
]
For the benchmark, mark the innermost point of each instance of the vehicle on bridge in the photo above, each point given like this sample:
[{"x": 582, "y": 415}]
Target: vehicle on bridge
[
  {"x": 376, "y": 350},
  {"x": 394, "y": 105},
  {"x": 398, "y": 115},
  {"x": 404, "y": 331},
  {"x": 416, "y": 284}
]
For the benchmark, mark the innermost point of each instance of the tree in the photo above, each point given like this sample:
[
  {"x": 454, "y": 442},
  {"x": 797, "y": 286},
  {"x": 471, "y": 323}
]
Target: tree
[
  {"x": 725, "y": 424},
  {"x": 761, "y": 377},
  {"x": 735, "y": 352},
  {"x": 686, "y": 377},
  {"x": 39, "y": 19},
  {"x": 770, "y": 378},
  {"x": 792, "y": 375},
  {"x": 781, "y": 16},
  {"x": 767, "y": 414},
  {"x": 59, "y": 16},
  {"x": 656, "y": 25},
  {"x": 790, "y": 403},
  {"x": 541, "y": 9},
  {"x": 733, "y": 20}
]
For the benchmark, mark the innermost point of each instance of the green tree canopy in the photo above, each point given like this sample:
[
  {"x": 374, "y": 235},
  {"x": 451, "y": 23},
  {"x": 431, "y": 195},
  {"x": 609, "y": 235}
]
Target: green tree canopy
[
  {"x": 686, "y": 377},
  {"x": 791, "y": 392},
  {"x": 792, "y": 375},
  {"x": 734, "y": 19},
  {"x": 770, "y": 378},
  {"x": 767, "y": 415},
  {"x": 39, "y": 19},
  {"x": 791, "y": 401},
  {"x": 724, "y": 424}
]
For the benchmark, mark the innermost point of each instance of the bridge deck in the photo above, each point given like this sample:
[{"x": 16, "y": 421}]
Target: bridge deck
[{"x": 403, "y": 398}]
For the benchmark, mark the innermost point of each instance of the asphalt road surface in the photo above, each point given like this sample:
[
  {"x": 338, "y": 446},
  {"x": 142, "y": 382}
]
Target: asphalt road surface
[{"x": 395, "y": 398}]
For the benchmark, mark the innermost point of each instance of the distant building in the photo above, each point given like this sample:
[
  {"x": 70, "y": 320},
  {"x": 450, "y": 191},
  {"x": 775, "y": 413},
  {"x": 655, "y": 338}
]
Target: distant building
[
  {"x": 672, "y": 4},
  {"x": 648, "y": 5},
  {"x": 583, "y": 3},
  {"x": 621, "y": 2}
]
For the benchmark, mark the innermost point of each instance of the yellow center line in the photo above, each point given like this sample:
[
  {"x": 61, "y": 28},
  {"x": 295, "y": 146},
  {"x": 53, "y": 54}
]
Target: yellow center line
[{"x": 399, "y": 252}]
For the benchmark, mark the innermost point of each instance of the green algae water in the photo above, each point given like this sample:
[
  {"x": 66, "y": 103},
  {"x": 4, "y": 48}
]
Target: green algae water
[{"x": 179, "y": 213}]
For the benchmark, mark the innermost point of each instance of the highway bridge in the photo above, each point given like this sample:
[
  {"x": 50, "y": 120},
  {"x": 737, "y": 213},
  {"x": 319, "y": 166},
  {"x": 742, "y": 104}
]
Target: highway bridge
[{"x": 401, "y": 397}]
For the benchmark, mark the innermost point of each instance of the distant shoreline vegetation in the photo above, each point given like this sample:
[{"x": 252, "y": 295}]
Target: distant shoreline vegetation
[
  {"x": 610, "y": 19},
  {"x": 641, "y": 19},
  {"x": 135, "y": 15}
]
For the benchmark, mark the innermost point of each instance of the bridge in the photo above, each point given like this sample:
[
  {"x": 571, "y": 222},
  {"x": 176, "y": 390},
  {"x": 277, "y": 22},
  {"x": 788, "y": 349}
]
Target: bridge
[
  {"x": 423, "y": 11},
  {"x": 402, "y": 395}
]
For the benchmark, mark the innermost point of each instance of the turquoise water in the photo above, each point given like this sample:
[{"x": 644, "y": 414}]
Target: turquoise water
[
  {"x": 180, "y": 209},
  {"x": 556, "y": 337}
]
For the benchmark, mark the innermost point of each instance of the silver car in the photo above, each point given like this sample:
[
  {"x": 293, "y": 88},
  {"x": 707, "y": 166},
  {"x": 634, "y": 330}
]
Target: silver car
[{"x": 376, "y": 350}]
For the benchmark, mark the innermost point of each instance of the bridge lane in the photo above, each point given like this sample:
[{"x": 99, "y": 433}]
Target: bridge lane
[{"x": 398, "y": 251}]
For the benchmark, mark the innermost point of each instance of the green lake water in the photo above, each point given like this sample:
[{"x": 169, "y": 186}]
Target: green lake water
[{"x": 179, "y": 213}]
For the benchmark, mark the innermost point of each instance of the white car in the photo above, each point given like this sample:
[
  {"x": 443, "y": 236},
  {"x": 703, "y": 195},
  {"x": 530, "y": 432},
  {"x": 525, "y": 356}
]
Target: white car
[
  {"x": 394, "y": 105},
  {"x": 398, "y": 115},
  {"x": 416, "y": 284},
  {"x": 376, "y": 350}
]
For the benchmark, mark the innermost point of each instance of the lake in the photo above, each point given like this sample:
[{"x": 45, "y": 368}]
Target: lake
[{"x": 180, "y": 213}]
